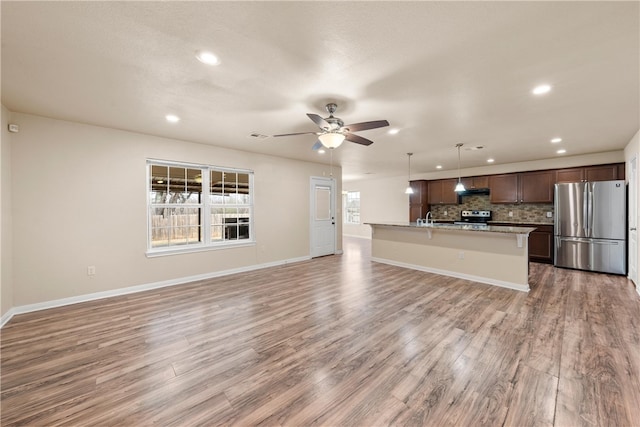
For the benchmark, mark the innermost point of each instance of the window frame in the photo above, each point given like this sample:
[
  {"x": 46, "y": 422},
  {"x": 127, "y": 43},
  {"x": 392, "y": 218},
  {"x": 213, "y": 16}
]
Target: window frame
[
  {"x": 346, "y": 208},
  {"x": 206, "y": 206}
]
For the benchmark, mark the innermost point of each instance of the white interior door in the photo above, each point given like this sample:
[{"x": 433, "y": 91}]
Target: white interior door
[
  {"x": 633, "y": 219},
  {"x": 323, "y": 217}
]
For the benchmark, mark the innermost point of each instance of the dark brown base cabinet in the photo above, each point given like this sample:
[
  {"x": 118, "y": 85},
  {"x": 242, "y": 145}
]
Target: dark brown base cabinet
[
  {"x": 541, "y": 244},
  {"x": 540, "y": 241}
]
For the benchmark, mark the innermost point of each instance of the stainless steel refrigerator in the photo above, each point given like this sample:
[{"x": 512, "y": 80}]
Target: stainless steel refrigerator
[{"x": 591, "y": 226}]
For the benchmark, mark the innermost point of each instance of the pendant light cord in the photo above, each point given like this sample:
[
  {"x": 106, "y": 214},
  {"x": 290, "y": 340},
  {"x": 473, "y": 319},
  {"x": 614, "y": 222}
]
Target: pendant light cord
[{"x": 459, "y": 145}]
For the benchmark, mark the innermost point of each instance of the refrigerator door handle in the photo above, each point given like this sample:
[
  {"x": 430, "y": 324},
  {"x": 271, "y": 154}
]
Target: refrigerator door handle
[
  {"x": 590, "y": 210},
  {"x": 585, "y": 209}
]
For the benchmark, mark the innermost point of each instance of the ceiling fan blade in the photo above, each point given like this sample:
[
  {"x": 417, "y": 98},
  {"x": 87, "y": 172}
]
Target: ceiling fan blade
[
  {"x": 297, "y": 133},
  {"x": 357, "y": 139},
  {"x": 356, "y": 127},
  {"x": 317, "y": 146},
  {"x": 322, "y": 123}
]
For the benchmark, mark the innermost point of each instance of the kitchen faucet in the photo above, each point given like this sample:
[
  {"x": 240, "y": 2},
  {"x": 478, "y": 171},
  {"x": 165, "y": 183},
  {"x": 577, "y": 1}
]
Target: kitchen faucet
[{"x": 426, "y": 218}]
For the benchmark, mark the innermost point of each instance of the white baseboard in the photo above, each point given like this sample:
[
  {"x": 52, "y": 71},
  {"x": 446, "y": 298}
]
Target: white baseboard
[
  {"x": 140, "y": 288},
  {"x": 487, "y": 280},
  {"x": 356, "y": 236}
]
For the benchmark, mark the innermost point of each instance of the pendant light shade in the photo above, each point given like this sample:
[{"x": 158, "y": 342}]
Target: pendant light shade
[
  {"x": 331, "y": 139},
  {"x": 409, "y": 190},
  {"x": 459, "y": 186}
]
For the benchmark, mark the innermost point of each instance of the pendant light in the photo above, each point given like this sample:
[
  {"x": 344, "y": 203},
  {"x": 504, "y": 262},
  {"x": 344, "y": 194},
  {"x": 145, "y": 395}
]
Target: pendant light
[
  {"x": 409, "y": 190},
  {"x": 459, "y": 186}
]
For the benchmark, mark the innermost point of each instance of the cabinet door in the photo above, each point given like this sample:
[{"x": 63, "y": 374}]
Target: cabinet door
[
  {"x": 503, "y": 188},
  {"x": 473, "y": 182},
  {"x": 449, "y": 196},
  {"x": 541, "y": 244},
  {"x": 435, "y": 192},
  {"x": 601, "y": 173},
  {"x": 621, "y": 171},
  {"x": 468, "y": 183},
  {"x": 480, "y": 182},
  {"x": 419, "y": 195},
  {"x": 415, "y": 212},
  {"x": 570, "y": 175},
  {"x": 536, "y": 187}
]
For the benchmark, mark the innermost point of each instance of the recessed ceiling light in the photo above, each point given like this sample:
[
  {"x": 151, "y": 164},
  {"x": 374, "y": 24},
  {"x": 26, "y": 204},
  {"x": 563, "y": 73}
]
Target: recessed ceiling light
[
  {"x": 207, "y": 57},
  {"x": 172, "y": 118},
  {"x": 439, "y": 167},
  {"x": 490, "y": 160},
  {"x": 561, "y": 151},
  {"x": 542, "y": 89},
  {"x": 393, "y": 131},
  {"x": 556, "y": 140}
]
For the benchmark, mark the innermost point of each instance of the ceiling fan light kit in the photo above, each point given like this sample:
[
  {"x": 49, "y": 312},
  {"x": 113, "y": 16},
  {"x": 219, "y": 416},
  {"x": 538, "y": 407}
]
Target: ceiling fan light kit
[
  {"x": 333, "y": 131},
  {"x": 331, "y": 140}
]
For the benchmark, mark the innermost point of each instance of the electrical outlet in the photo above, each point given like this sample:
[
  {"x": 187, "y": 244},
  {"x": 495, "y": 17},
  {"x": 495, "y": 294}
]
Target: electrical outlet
[
  {"x": 446, "y": 213},
  {"x": 510, "y": 213},
  {"x": 549, "y": 214},
  {"x": 460, "y": 255},
  {"x": 91, "y": 270}
]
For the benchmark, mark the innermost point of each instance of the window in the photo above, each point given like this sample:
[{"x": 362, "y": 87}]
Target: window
[
  {"x": 195, "y": 207},
  {"x": 352, "y": 207}
]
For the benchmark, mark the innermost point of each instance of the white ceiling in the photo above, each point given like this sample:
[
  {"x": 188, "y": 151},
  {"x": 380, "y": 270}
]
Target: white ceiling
[{"x": 440, "y": 72}]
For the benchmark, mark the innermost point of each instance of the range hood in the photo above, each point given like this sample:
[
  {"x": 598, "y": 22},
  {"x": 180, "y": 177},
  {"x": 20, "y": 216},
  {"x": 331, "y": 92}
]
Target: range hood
[{"x": 470, "y": 191}]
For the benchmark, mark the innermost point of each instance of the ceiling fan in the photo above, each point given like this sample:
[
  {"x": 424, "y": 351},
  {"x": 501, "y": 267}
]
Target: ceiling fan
[{"x": 333, "y": 130}]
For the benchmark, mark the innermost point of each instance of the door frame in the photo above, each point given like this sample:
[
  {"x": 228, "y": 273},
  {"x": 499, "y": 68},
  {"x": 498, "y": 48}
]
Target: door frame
[
  {"x": 331, "y": 182},
  {"x": 632, "y": 206}
]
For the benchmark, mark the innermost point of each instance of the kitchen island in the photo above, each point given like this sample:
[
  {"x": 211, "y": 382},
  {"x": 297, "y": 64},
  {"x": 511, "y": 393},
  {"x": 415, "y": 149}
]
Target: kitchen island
[{"x": 496, "y": 255}]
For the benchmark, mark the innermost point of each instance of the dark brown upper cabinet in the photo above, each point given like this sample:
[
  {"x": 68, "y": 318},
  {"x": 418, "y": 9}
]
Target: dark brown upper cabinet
[
  {"x": 591, "y": 173},
  {"x": 525, "y": 187},
  {"x": 475, "y": 182},
  {"x": 418, "y": 201},
  {"x": 441, "y": 192}
]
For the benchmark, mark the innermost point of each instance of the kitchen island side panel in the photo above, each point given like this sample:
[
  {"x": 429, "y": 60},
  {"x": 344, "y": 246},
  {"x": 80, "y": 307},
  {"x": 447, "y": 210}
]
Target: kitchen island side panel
[{"x": 493, "y": 258}]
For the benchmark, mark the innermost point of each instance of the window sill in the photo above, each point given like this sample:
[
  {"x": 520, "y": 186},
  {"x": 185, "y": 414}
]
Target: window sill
[{"x": 201, "y": 248}]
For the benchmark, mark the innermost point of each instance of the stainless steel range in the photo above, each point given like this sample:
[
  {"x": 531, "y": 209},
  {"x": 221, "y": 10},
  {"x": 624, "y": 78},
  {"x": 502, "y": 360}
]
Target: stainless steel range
[{"x": 477, "y": 218}]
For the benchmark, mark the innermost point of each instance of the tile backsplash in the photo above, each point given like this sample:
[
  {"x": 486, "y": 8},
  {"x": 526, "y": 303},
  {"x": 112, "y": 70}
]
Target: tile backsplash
[{"x": 522, "y": 212}]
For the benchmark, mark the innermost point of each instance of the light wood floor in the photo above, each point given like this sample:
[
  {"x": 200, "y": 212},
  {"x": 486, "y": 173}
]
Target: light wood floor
[{"x": 336, "y": 341}]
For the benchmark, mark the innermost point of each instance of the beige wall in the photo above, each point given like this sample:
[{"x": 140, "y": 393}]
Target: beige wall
[
  {"x": 6, "y": 282},
  {"x": 381, "y": 200},
  {"x": 80, "y": 200}
]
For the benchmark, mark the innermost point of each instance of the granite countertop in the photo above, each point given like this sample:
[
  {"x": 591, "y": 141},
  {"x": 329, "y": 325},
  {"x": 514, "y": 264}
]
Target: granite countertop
[
  {"x": 460, "y": 227},
  {"x": 521, "y": 222},
  {"x": 499, "y": 222}
]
